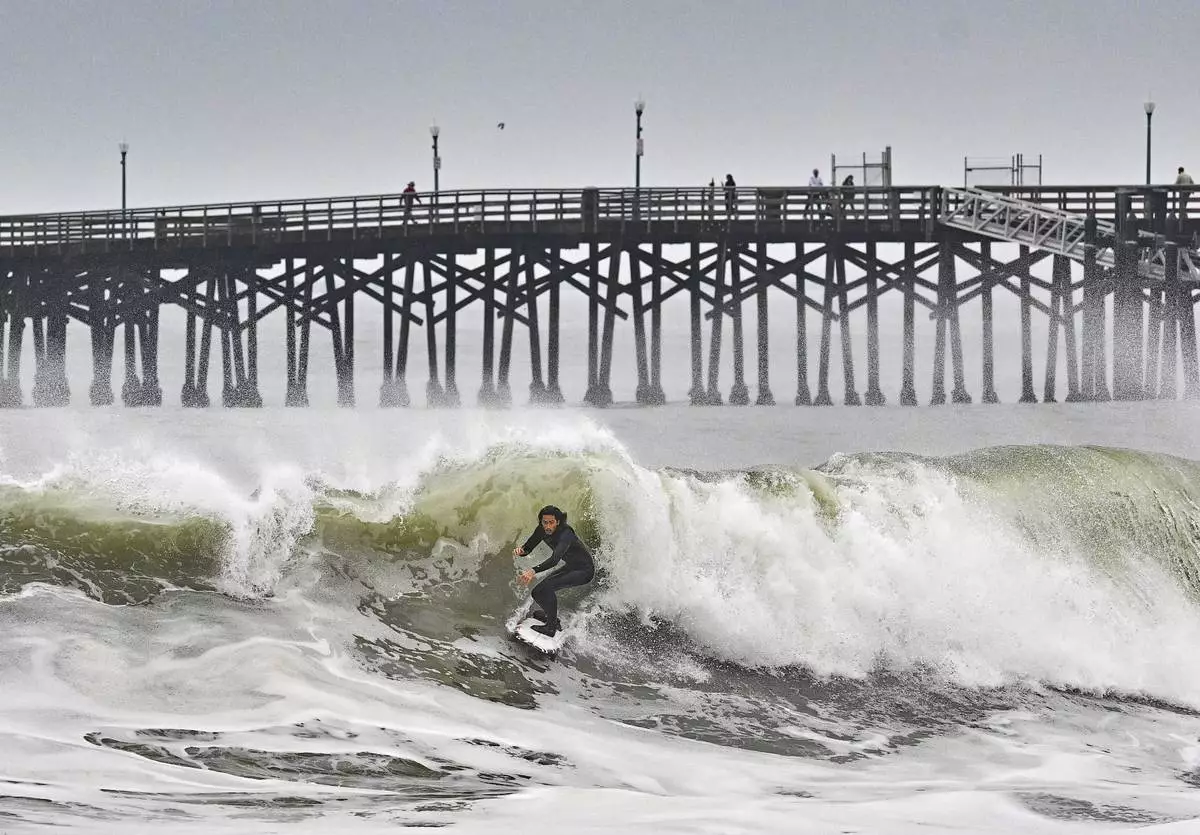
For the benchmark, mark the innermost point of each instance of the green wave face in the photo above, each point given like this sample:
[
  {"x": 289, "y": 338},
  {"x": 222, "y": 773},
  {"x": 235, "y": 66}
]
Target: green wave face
[
  {"x": 1118, "y": 506},
  {"x": 67, "y": 538},
  {"x": 496, "y": 497}
]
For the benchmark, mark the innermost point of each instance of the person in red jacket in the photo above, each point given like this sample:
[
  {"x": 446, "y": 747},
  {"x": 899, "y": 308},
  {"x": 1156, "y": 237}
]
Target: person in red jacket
[
  {"x": 578, "y": 567},
  {"x": 409, "y": 194}
]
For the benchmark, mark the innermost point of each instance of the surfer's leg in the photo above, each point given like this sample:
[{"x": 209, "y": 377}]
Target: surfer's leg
[
  {"x": 544, "y": 595},
  {"x": 544, "y": 599}
]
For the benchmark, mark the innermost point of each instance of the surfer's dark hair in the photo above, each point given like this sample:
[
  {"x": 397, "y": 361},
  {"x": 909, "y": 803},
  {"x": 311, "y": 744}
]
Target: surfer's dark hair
[{"x": 551, "y": 510}]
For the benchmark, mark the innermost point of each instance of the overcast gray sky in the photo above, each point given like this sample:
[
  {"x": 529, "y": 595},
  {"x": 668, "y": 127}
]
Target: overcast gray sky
[{"x": 239, "y": 100}]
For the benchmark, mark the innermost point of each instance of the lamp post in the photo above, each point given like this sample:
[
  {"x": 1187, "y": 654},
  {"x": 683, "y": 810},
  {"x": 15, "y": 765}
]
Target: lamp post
[
  {"x": 434, "y": 130},
  {"x": 123, "y": 147},
  {"x": 1149, "y": 107},
  {"x": 638, "y": 107}
]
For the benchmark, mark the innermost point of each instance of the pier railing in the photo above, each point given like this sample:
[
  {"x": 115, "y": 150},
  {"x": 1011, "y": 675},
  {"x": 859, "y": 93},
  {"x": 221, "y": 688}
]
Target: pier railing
[{"x": 582, "y": 211}]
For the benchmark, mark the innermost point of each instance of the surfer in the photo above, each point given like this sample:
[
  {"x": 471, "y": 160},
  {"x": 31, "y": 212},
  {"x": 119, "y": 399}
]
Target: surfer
[{"x": 568, "y": 548}]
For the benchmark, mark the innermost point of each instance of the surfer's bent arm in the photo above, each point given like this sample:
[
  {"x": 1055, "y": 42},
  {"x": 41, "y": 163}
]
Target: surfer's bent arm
[
  {"x": 565, "y": 541},
  {"x": 534, "y": 540}
]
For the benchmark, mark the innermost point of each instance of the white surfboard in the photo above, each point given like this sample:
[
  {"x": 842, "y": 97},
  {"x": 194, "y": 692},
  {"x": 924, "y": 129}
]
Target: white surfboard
[
  {"x": 544, "y": 643},
  {"x": 520, "y": 626}
]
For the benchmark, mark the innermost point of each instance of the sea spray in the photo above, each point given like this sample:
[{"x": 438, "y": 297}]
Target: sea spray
[
  {"x": 914, "y": 572},
  {"x": 265, "y": 531}
]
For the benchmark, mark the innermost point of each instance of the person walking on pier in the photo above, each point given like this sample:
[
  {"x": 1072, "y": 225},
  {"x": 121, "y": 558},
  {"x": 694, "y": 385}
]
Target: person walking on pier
[
  {"x": 812, "y": 206},
  {"x": 730, "y": 196},
  {"x": 1183, "y": 179},
  {"x": 410, "y": 194}
]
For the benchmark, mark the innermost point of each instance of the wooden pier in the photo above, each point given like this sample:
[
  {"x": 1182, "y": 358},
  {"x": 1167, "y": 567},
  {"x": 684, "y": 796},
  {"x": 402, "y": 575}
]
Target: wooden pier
[{"x": 509, "y": 256}]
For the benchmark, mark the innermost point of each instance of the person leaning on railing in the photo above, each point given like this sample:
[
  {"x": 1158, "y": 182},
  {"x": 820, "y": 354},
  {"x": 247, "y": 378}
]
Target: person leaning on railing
[
  {"x": 847, "y": 195},
  {"x": 1183, "y": 179}
]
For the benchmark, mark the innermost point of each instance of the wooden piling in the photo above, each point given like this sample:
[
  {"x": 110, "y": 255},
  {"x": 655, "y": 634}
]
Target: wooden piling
[
  {"x": 554, "y": 393},
  {"x": 989, "y": 344},
  {"x": 1027, "y": 395},
  {"x": 874, "y": 396},
  {"x": 695, "y": 278},
  {"x": 593, "y": 334},
  {"x": 642, "y": 393},
  {"x": 1168, "y": 387},
  {"x": 13, "y": 313},
  {"x": 739, "y": 394},
  {"x": 604, "y": 395},
  {"x": 537, "y": 385},
  {"x": 851, "y": 397},
  {"x": 960, "y": 393},
  {"x": 908, "y": 391},
  {"x": 714, "y": 340},
  {"x": 450, "y": 395},
  {"x": 765, "y": 398},
  {"x": 503, "y": 388},
  {"x": 1128, "y": 324},
  {"x": 434, "y": 394},
  {"x": 487, "y": 386},
  {"x": 803, "y": 397},
  {"x": 828, "y": 291},
  {"x": 387, "y": 386}
]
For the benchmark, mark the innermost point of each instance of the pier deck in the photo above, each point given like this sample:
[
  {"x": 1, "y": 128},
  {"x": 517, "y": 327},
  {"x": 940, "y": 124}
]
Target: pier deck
[{"x": 511, "y": 253}]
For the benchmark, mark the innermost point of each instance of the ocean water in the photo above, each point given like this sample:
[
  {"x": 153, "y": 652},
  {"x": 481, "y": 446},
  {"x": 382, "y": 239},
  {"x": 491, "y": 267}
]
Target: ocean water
[
  {"x": 969, "y": 618},
  {"x": 805, "y": 620}
]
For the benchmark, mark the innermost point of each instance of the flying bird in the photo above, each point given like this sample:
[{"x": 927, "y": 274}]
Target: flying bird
[{"x": 500, "y": 125}]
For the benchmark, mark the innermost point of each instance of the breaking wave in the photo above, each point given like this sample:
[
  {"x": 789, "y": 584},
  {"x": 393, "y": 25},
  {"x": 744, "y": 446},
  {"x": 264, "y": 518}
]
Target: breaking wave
[{"x": 1068, "y": 567}]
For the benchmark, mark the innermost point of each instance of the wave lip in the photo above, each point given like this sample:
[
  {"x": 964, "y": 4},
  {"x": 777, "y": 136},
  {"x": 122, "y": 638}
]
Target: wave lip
[{"x": 122, "y": 528}]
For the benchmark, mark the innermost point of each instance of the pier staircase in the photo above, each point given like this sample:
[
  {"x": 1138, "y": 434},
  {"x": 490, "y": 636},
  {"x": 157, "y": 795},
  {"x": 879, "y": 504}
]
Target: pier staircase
[{"x": 1006, "y": 218}]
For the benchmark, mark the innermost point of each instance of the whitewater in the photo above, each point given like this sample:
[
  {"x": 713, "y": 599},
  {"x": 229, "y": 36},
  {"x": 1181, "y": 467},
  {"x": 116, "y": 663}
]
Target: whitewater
[{"x": 979, "y": 619}]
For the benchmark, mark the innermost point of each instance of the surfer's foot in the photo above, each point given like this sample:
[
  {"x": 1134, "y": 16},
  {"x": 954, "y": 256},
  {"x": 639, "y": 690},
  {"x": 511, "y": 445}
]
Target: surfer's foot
[{"x": 547, "y": 629}]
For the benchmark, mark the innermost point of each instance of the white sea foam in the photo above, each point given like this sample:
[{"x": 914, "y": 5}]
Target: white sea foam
[{"x": 907, "y": 572}]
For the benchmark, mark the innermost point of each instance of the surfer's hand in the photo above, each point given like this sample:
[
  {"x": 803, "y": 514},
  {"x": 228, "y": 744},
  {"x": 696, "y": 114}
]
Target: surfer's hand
[
  {"x": 526, "y": 576},
  {"x": 518, "y": 551}
]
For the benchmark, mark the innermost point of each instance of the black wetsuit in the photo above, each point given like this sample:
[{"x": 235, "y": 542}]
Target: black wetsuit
[{"x": 578, "y": 568}]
